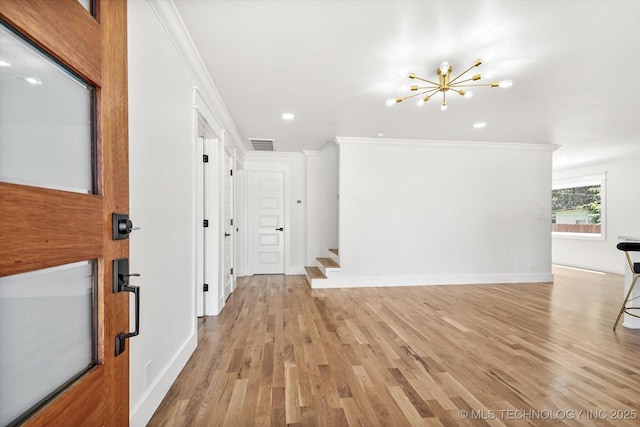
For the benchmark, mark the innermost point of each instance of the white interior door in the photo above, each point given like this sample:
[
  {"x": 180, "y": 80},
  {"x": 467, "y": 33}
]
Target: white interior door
[
  {"x": 228, "y": 224},
  {"x": 210, "y": 254},
  {"x": 268, "y": 219},
  {"x": 199, "y": 229}
]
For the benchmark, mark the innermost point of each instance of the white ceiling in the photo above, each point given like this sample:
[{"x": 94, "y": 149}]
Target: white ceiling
[{"x": 334, "y": 63}]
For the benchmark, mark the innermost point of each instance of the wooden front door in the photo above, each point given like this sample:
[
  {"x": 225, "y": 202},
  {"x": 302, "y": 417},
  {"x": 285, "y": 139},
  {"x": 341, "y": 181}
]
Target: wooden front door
[{"x": 48, "y": 227}]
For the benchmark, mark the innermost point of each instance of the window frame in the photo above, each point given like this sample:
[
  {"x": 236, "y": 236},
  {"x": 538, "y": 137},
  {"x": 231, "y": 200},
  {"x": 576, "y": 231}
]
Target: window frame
[{"x": 583, "y": 181}]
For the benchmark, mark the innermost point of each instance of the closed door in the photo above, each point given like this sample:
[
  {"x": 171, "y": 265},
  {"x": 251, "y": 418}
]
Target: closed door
[
  {"x": 268, "y": 218},
  {"x": 199, "y": 229},
  {"x": 228, "y": 224},
  {"x": 63, "y": 172},
  {"x": 210, "y": 253}
]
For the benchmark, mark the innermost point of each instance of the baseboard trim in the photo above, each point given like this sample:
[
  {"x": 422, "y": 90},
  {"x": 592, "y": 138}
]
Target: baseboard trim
[
  {"x": 443, "y": 279},
  {"x": 143, "y": 410}
]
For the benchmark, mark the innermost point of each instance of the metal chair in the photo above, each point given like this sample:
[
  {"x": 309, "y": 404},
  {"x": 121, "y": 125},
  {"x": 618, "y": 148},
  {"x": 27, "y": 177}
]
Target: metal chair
[{"x": 635, "y": 274}]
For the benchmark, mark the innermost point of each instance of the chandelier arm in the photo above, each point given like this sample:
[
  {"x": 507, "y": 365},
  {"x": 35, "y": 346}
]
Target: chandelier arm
[
  {"x": 430, "y": 91},
  {"x": 480, "y": 84},
  {"x": 461, "y": 81},
  {"x": 427, "y": 81},
  {"x": 414, "y": 95},
  {"x": 428, "y": 87},
  {"x": 463, "y": 73}
]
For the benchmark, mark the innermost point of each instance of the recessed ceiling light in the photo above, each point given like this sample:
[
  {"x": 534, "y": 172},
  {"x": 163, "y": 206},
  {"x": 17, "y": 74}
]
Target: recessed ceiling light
[
  {"x": 479, "y": 125},
  {"x": 380, "y": 135},
  {"x": 288, "y": 116},
  {"x": 4, "y": 64}
]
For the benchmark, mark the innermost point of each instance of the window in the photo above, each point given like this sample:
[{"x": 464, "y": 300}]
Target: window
[{"x": 577, "y": 207}]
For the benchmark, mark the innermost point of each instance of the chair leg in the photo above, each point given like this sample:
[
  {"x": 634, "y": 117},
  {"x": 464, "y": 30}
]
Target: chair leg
[{"x": 624, "y": 304}]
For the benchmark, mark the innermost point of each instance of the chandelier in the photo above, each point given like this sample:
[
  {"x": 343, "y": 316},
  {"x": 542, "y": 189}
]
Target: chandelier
[{"x": 445, "y": 84}]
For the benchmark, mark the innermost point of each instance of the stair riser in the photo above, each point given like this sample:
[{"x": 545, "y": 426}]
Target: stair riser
[{"x": 327, "y": 270}]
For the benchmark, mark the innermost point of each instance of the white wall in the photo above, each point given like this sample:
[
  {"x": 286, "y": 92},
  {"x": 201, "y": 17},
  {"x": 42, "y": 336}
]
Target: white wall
[
  {"x": 420, "y": 212},
  {"x": 169, "y": 89},
  {"x": 322, "y": 201},
  {"x": 293, "y": 166},
  {"x": 161, "y": 151},
  {"x": 622, "y": 205}
]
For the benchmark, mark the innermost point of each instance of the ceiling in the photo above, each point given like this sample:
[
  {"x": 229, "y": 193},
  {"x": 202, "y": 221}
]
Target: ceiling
[{"x": 334, "y": 63}]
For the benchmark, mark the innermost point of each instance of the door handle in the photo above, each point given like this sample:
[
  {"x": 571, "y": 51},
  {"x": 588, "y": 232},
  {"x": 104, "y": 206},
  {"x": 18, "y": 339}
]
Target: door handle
[
  {"x": 227, "y": 234},
  {"x": 280, "y": 229},
  {"x": 121, "y": 284}
]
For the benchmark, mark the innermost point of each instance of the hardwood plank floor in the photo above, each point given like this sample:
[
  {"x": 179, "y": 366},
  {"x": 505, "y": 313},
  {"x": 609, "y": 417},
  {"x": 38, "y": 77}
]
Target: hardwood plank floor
[{"x": 525, "y": 354}]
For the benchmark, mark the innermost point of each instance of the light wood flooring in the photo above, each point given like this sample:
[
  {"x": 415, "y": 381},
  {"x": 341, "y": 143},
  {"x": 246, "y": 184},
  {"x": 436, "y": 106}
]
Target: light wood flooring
[{"x": 527, "y": 354}]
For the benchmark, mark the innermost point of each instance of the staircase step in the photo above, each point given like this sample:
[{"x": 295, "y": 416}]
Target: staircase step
[
  {"x": 333, "y": 254},
  {"x": 328, "y": 263},
  {"x": 314, "y": 273}
]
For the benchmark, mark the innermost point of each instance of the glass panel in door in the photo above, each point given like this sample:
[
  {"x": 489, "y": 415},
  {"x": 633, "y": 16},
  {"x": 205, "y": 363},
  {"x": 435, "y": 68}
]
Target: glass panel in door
[
  {"x": 46, "y": 120},
  {"x": 47, "y": 334}
]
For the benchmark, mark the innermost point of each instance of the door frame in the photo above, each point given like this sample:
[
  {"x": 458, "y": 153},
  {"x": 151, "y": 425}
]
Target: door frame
[
  {"x": 203, "y": 115},
  {"x": 228, "y": 172}
]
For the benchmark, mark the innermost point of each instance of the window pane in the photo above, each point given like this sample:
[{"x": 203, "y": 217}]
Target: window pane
[
  {"x": 576, "y": 209},
  {"x": 46, "y": 126},
  {"x": 47, "y": 334}
]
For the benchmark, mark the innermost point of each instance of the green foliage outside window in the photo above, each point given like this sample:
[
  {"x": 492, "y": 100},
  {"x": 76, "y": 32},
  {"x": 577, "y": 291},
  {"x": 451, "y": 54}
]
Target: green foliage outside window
[{"x": 577, "y": 199}]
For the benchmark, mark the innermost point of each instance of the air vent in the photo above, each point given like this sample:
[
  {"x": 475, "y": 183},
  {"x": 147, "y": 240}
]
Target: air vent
[{"x": 261, "y": 144}]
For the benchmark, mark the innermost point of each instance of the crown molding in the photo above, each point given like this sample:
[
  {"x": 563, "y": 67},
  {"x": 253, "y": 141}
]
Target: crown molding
[
  {"x": 343, "y": 140},
  {"x": 595, "y": 162},
  {"x": 174, "y": 25}
]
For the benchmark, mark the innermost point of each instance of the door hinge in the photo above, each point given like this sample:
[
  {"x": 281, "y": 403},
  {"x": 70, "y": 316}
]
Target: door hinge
[
  {"x": 232, "y": 271},
  {"x": 205, "y": 287},
  {"x": 232, "y": 221},
  {"x": 205, "y": 158},
  {"x": 205, "y": 222},
  {"x": 231, "y": 172}
]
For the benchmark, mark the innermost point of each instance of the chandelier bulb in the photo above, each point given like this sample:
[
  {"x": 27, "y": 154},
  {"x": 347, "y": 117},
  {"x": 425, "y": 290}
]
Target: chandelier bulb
[
  {"x": 443, "y": 107},
  {"x": 505, "y": 84},
  {"x": 444, "y": 68},
  {"x": 468, "y": 94},
  {"x": 390, "y": 102}
]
